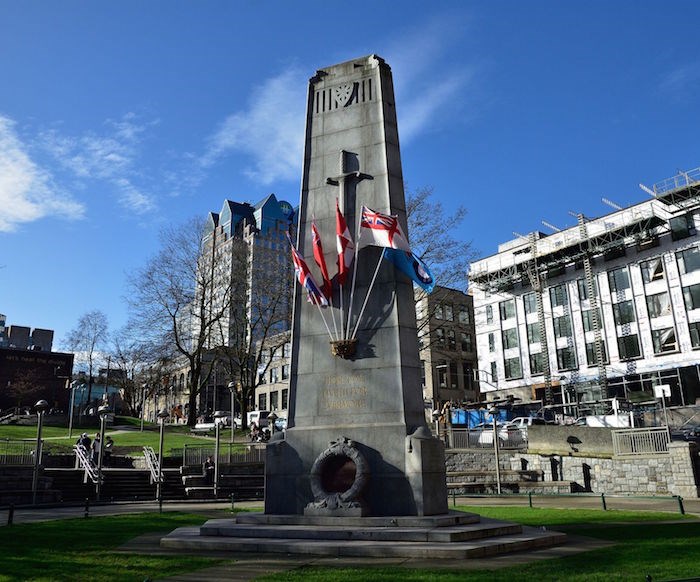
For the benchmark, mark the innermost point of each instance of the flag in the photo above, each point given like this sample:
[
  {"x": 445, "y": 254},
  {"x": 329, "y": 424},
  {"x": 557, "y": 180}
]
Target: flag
[
  {"x": 306, "y": 279},
  {"x": 382, "y": 230},
  {"x": 320, "y": 259},
  {"x": 412, "y": 266},
  {"x": 345, "y": 246}
]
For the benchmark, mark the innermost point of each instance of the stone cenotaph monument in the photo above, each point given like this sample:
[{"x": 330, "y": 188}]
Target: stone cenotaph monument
[{"x": 357, "y": 443}]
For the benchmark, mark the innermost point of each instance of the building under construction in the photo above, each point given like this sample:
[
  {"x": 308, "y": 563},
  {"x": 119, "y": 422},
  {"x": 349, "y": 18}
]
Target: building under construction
[{"x": 608, "y": 308}]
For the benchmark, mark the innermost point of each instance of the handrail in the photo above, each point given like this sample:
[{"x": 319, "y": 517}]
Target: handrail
[
  {"x": 16, "y": 452},
  {"x": 195, "y": 455},
  {"x": 86, "y": 463},
  {"x": 153, "y": 464},
  {"x": 640, "y": 441}
]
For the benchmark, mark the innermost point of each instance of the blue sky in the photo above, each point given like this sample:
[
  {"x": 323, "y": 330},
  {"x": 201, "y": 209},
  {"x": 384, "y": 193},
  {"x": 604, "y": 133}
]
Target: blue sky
[{"x": 119, "y": 118}]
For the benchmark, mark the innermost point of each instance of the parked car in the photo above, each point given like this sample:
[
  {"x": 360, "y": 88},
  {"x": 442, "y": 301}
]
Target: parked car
[
  {"x": 281, "y": 424},
  {"x": 692, "y": 434}
]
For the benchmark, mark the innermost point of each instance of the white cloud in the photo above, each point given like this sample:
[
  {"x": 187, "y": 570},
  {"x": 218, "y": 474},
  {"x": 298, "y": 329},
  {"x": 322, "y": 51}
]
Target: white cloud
[
  {"x": 270, "y": 130},
  {"x": 682, "y": 83},
  {"x": 112, "y": 156},
  {"x": 27, "y": 192},
  {"x": 427, "y": 76}
]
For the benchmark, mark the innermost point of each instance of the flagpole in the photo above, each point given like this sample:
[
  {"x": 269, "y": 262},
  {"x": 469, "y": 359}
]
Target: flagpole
[
  {"x": 354, "y": 269},
  {"x": 369, "y": 290},
  {"x": 330, "y": 335},
  {"x": 342, "y": 322}
]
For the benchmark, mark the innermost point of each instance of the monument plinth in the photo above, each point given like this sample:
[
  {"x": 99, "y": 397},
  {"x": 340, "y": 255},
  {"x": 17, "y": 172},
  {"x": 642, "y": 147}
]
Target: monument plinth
[{"x": 356, "y": 442}]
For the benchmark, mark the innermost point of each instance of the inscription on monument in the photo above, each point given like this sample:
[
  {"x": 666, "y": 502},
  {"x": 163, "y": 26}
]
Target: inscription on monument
[{"x": 344, "y": 392}]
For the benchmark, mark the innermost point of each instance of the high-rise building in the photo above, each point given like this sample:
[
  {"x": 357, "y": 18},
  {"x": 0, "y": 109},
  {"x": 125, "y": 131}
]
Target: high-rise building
[{"x": 607, "y": 308}]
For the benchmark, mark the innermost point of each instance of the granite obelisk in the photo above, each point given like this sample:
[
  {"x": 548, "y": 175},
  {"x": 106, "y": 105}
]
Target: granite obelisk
[{"x": 357, "y": 441}]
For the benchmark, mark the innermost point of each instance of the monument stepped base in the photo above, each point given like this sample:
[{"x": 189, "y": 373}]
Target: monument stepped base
[{"x": 451, "y": 536}]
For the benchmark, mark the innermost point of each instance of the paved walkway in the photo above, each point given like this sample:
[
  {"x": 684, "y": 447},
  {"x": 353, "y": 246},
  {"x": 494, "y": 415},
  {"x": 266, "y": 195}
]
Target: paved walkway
[{"x": 247, "y": 566}]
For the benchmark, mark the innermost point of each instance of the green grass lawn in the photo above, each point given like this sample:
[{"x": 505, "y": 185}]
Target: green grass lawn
[
  {"x": 83, "y": 549},
  {"x": 131, "y": 442},
  {"x": 644, "y": 546}
]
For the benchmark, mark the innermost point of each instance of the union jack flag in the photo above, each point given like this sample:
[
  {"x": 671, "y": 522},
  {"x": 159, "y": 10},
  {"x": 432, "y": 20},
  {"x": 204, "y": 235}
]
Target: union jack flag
[
  {"x": 320, "y": 259},
  {"x": 315, "y": 295},
  {"x": 382, "y": 230}
]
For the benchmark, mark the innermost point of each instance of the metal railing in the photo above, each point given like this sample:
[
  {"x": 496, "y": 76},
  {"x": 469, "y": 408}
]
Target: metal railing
[
  {"x": 462, "y": 438},
  {"x": 228, "y": 454},
  {"x": 17, "y": 452},
  {"x": 83, "y": 456},
  {"x": 678, "y": 181},
  {"x": 631, "y": 442},
  {"x": 152, "y": 463}
]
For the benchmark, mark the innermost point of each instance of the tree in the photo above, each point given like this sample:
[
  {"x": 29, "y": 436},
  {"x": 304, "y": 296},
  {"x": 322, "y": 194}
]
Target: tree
[
  {"x": 24, "y": 386},
  {"x": 434, "y": 237},
  {"x": 214, "y": 298},
  {"x": 86, "y": 339},
  {"x": 131, "y": 356}
]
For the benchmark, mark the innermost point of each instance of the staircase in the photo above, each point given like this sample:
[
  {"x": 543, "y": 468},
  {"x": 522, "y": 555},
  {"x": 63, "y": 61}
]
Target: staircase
[
  {"x": 449, "y": 536},
  {"x": 16, "y": 487},
  {"x": 243, "y": 481},
  {"x": 480, "y": 481}
]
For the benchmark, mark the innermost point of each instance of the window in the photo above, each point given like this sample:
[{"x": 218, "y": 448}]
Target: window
[
  {"x": 623, "y": 312},
  {"x": 285, "y": 398},
  {"x": 262, "y": 401},
  {"x": 681, "y": 227},
  {"x": 287, "y": 350},
  {"x": 274, "y": 400},
  {"x": 261, "y": 378},
  {"x": 507, "y": 309},
  {"x": 510, "y": 338},
  {"x": 468, "y": 376},
  {"x": 530, "y": 303},
  {"x": 619, "y": 279},
  {"x": 583, "y": 289},
  {"x": 440, "y": 336},
  {"x": 691, "y": 296},
  {"x": 453, "y": 375},
  {"x": 494, "y": 373},
  {"x": 513, "y": 368},
  {"x": 466, "y": 341},
  {"x": 562, "y": 326},
  {"x": 451, "y": 342},
  {"x": 652, "y": 270},
  {"x": 628, "y": 347},
  {"x": 558, "y": 295},
  {"x": 688, "y": 260},
  {"x": 537, "y": 363},
  {"x": 658, "y": 305},
  {"x": 587, "y": 317},
  {"x": 566, "y": 358},
  {"x": 533, "y": 333},
  {"x": 274, "y": 375},
  {"x": 489, "y": 314},
  {"x": 695, "y": 334},
  {"x": 285, "y": 372},
  {"x": 441, "y": 370},
  {"x": 664, "y": 340},
  {"x": 449, "y": 316},
  {"x": 439, "y": 312},
  {"x": 590, "y": 354},
  {"x": 492, "y": 342},
  {"x": 464, "y": 317}
]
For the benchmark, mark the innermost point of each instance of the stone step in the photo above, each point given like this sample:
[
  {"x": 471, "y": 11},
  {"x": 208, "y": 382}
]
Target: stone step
[
  {"x": 515, "y": 487},
  {"x": 449, "y": 534},
  {"x": 528, "y": 539}
]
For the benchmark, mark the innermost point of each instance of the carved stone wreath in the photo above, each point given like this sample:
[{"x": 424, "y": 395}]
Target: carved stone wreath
[{"x": 329, "y": 476}]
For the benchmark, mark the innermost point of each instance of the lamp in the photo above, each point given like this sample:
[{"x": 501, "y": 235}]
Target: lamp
[
  {"x": 162, "y": 415},
  {"x": 493, "y": 411},
  {"x": 103, "y": 411},
  {"x": 232, "y": 387},
  {"x": 271, "y": 418},
  {"x": 218, "y": 415},
  {"x": 41, "y": 407}
]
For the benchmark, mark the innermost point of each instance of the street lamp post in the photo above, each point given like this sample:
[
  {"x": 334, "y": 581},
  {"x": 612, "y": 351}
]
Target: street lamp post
[
  {"x": 162, "y": 415},
  {"x": 144, "y": 388},
  {"x": 171, "y": 406},
  {"x": 493, "y": 411},
  {"x": 73, "y": 385},
  {"x": 41, "y": 408},
  {"x": 272, "y": 417},
  {"x": 218, "y": 415},
  {"x": 103, "y": 411},
  {"x": 232, "y": 388}
]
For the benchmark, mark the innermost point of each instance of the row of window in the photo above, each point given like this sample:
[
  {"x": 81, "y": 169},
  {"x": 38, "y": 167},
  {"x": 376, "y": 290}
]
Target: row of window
[
  {"x": 274, "y": 374},
  {"x": 663, "y": 341},
  {"x": 447, "y": 374},
  {"x": 618, "y": 279},
  {"x": 447, "y": 339},
  {"x": 279, "y": 400},
  {"x": 446, "y": 311}
]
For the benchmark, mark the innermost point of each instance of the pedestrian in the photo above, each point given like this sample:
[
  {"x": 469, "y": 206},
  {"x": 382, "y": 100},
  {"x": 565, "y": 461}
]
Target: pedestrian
[
  {"x": 208, "y": 468},
  {"x": 96, "y": 449},
  {"x": 84, "y": 441}
]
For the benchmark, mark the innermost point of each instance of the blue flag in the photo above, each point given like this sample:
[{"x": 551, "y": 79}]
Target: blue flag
[{"x": 412, "y": 266}]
